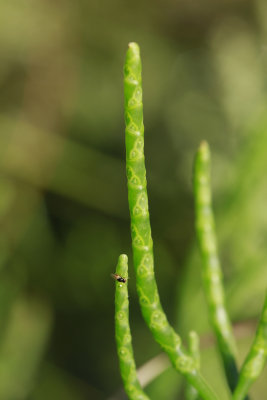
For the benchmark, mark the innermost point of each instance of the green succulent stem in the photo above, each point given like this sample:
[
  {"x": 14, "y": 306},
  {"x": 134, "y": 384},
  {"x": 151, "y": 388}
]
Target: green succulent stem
[
  {"x": 256, "y": 358},
  {"x": 142, "y": 243},
  {"x": 212, "y": 273},
  {"x": 193, "y": 346},
  {"x": 123, "y": 335}
]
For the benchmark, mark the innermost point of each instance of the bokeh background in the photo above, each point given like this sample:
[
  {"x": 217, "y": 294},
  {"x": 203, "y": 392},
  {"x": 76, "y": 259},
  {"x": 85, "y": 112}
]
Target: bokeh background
[{"x": 63, "y": 197}]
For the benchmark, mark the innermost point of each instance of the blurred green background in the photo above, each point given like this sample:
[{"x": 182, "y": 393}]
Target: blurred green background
[{"x": 63, "y": 197}]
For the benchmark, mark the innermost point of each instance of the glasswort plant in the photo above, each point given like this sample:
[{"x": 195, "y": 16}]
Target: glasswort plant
[{"x": 187, "y": 362}]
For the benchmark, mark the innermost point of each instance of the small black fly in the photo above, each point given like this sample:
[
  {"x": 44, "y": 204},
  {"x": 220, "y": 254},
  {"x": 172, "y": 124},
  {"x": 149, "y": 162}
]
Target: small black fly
[{"x": 118, "y": 278}]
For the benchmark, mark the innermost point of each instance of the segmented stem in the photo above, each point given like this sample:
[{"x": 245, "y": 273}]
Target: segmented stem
[
  {"x": 256, "y": 358},
  {"x": 193, "y": 346},
  {"x": 212, "y": 273},
  {"x": 140, "y": 226},
  {"x": 123, "y": 335}
]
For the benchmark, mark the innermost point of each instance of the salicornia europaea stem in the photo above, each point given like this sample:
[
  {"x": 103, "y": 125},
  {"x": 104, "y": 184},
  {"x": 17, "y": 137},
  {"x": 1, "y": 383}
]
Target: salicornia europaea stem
[
  {"x": 141, "y": 232},
  {"x": 212, "y": 273},
  {"x": 123, "y": 335},
  {"x": 193, "y": 347},
  {"x": 255, "y": 360}
]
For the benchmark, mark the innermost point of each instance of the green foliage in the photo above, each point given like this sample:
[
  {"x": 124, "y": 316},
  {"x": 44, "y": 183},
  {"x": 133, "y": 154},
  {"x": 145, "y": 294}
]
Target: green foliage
[
  {"x": 63, "y": 193},
  {"x": 141, "y": 232},
  {"x": 193, "y": 347},
  {"x": 185, "y": 362},
  {"x": 256, "y": 358},
  {"x": 123, "y": 335},
  {"x": 212, "y": 273}
]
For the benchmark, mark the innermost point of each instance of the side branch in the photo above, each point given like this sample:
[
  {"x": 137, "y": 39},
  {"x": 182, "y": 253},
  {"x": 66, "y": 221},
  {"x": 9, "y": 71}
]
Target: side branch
[
  {"x": 193, "y": 345},
  {"x": 256, "y": 358},
  {"x": 123, "y": 334},
  {"x": 212, "y": 273}
]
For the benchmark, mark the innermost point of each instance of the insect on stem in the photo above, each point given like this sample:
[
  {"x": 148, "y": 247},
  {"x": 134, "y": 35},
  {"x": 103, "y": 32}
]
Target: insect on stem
[{"x": 118, "y": 278}]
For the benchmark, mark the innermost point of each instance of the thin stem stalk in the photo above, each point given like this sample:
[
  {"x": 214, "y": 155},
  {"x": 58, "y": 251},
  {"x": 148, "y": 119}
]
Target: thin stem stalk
[
  {"x": 212, "y": 272},
  {"x": 256, "y": 358},
  {"x": 193, "y": 346},
  {"x": 123, "y": 335}
]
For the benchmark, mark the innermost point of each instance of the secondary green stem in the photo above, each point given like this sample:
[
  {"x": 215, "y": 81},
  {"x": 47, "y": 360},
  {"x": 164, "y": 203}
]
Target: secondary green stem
[
  {"x": 256, "y": 358},
  {"x": 212, "y": 273},
  {"x": 142, "y": 243},
  {"x": 193, "y": 345},
  {"x": 123, "y": 335}
]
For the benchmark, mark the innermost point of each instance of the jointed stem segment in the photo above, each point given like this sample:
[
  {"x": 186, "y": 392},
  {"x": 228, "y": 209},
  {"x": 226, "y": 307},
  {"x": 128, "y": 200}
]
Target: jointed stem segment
[
  {"x": 212, "y": 273},
  {"x": 123, "y": 335},
  {"x": 141, "y": 232}
]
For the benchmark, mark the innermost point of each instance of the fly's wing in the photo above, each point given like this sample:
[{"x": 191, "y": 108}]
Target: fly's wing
[
  {"x": 114, "y": 276},
  {"x": 118, "y": 278}
]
